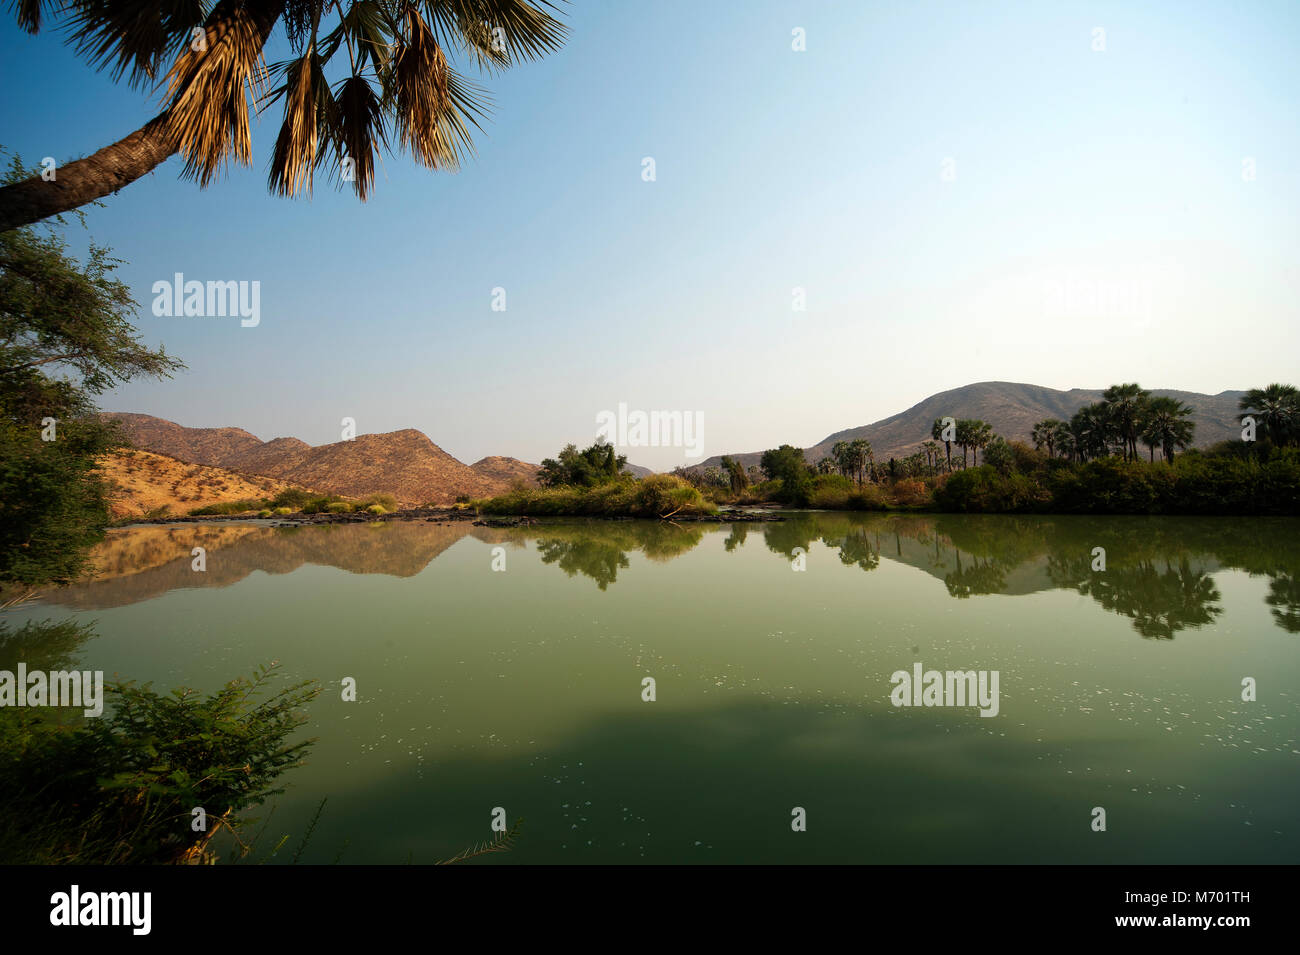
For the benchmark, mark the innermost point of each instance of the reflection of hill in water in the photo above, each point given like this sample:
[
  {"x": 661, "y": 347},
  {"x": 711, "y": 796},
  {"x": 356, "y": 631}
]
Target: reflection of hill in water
[
  {"x": 1158, "y": 570},
  {"x": 140, "y": 563}
]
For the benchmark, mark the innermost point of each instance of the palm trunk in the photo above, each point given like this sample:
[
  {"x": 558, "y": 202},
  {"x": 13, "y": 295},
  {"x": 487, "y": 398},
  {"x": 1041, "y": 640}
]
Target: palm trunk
[
  {"x": 125, "y": 161},
  {"x": 86, "y": 180}
]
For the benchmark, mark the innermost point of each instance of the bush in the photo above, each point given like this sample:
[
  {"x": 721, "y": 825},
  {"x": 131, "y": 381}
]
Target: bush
[
  {"x": 228, "y": 507},
  {"x": 293, "y": 498},
  {"x": 119, "y": 789},
  {"x": 1000, "y": 456},
  {"x": 985, "y": 490},
  {"x": 283, "y": 510},
  {"x": 386, "y": 501},
  {"x": 376, "y": 509},
  {"x": 338, "y": 507},
  {"x": 319, "y": 504},
  {"x": 264, "y": 513},
  {"x": 660, "y": 495},
  {"x": 1112, "y": 486},
  {"x": 911, "y": 492}
]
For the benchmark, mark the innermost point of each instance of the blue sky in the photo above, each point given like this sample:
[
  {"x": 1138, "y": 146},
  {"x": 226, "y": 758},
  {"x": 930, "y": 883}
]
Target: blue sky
[{"x": 1093, "y": 225}]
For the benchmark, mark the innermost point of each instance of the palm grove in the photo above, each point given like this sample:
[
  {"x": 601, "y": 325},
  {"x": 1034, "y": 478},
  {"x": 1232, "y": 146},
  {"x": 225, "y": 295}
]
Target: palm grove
[{"x": 1130, "y": 452}]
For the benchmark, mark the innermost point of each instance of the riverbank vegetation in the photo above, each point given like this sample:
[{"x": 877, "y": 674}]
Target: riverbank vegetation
[
  {"x": 297, "y": 500},
  {"x": 1093, "y": 463}
]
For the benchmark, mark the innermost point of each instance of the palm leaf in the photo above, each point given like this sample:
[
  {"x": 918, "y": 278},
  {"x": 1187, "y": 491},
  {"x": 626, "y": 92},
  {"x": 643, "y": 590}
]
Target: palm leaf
[
  {"x": 357, "y": 128},
  {"x": 208, "y": 88},
  {"x": 131, "y": 38},
  {"x": 527, "y": 31},
  {"x": 308, "y": 103}
]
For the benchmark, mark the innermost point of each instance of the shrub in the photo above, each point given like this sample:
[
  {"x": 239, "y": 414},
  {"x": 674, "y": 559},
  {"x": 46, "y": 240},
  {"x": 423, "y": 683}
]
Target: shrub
[
  {"x": 227, "y": 507},
  {"x": 293, "y": 498},
  {"x": 830, "y": 492},
  {"x": 321, "y": 503},
  {"x": 1000, "y": 456},
  {"x": 338, "y": 507},
  {"x": 111, "y": 790},
  {"x": 264, "y": 513},
  {"x": 869, "y": 497},
  {"x": 1112, "y": 486},
  {"x": 283, "y": 510},
  {"x": 660, "y": 495},
  {"x": 376, "y": 509},
  {"x": 386, "y": 501},
  {"x": 985, "y": 490}
]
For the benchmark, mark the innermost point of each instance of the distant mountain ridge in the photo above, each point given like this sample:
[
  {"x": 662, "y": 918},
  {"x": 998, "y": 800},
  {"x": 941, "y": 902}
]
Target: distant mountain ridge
[
  {"x": 405, "y": 464},
  {"x": 1012, "y": 409}
]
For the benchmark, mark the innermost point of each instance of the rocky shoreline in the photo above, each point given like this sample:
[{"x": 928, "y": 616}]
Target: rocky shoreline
[{"x": 447, "y": 515}]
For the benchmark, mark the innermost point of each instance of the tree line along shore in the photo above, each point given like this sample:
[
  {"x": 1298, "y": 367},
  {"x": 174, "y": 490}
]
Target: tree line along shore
[{"x": 1129, "y": 453}]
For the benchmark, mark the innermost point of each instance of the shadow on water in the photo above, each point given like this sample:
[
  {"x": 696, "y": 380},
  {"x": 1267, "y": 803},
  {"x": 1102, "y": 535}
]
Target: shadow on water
[{"x": 878, "y": 785}]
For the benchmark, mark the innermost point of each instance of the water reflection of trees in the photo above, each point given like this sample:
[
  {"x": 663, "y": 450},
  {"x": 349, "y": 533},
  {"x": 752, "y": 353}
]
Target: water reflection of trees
[
  {"x": 1161, "y": 596},
  {"x": 599, "y": 549},
  {"x": 1158, "y": 570},
  {"x": 1284, "y": 598}
]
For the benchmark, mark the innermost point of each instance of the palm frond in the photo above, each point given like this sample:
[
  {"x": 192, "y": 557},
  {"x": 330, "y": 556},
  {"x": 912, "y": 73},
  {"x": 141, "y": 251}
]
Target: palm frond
[
  {"x": 527, "y": 31},
  {"x": 426, "y": 99},
  {"x": 357, "y": 129},
  {"x": 308, "y": 103},
  {"x": 132, "y": 39},
  {"x": 28, "y": 13},
  {"x": 209, "y": 87}
]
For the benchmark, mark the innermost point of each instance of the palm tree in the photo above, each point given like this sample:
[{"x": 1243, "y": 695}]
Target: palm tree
[
  {"x": 1123, "y": 405},
  {"x": 964, "y": 437},
  {"x": 936, "y": 432},
  {"x": 1150, "y": 440},
  {"x": 1045, "y": 433},
  {"x": 1165, "y": 425},
  {"x": 1089, "y": 432},
  {"x": 1063, "y": 440},
  {"x": 931, "y": 451},
  {"x": 862, "y": 456},
  {"x": 394, "y": 68},
  {"x": 981, "y": 435},
  {"x": 1276, "y": 410}
]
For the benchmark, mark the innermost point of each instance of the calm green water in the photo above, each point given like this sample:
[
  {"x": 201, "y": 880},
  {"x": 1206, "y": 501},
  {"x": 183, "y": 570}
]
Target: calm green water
[{"x": 522, "y": 688}]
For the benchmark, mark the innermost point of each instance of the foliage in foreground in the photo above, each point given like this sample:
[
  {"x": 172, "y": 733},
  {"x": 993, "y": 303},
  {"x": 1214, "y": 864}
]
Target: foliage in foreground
[
  {"x": 119, "y": 789},
  {"x": 65, "y": 337}
]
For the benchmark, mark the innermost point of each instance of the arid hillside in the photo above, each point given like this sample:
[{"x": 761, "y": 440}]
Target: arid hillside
[
  {"x": 1012, "y": 409},
  {"x": 145, "y": 481},
  {"x": 405, "y": 464},
  {"x": 506, "y": 470}
]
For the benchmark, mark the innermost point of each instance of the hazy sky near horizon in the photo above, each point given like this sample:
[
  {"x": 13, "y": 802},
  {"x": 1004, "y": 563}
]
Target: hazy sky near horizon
[{"x": 965, "y": 192}]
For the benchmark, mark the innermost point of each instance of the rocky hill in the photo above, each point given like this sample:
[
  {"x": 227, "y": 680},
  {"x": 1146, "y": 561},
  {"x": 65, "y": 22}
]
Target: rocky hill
[
  {"x": 1012, "y": 409},
  {"x": 403, "y": 463}
]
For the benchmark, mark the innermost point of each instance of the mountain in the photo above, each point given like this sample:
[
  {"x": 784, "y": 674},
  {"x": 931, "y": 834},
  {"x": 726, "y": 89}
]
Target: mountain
[
  {"x": 506, "y": 470},
  {"x": 1012, "y": 409},
  {"x": 403, "y": 463},
  {"x": 144, "y": 481}
]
